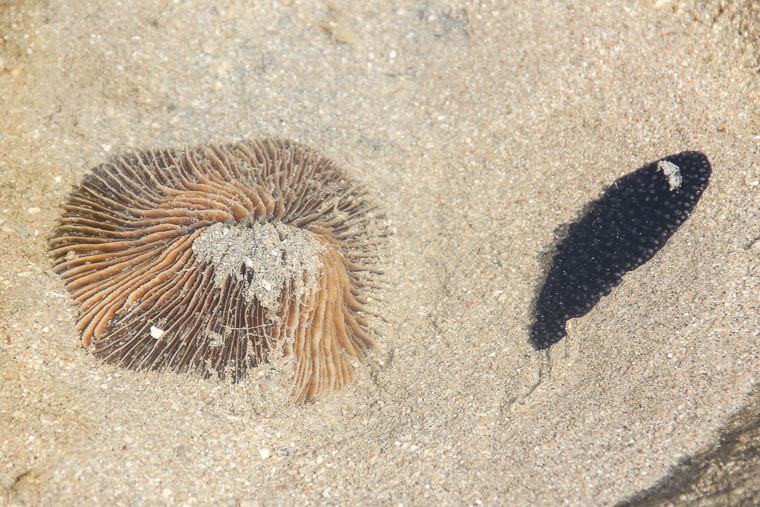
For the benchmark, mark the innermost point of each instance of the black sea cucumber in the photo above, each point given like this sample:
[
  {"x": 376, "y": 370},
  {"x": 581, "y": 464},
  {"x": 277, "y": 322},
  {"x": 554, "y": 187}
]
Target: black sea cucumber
[{"x": 620, "y": 231}]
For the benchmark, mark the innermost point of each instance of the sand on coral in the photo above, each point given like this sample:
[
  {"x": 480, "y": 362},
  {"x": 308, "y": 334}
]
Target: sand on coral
[{"x": 482, "y": 127}]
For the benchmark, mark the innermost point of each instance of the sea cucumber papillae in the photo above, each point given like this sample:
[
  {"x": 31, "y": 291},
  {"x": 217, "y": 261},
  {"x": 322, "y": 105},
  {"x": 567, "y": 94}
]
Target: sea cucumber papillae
[{"x": 620, "y": 231}]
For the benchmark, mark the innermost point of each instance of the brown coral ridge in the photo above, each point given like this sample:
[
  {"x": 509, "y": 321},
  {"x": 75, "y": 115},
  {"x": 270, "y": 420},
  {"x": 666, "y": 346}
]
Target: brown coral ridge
[{"x": 212, "y": 258}]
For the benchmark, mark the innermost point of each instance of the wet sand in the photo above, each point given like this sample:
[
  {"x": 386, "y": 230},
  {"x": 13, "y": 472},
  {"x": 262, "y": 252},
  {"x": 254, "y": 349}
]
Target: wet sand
[{"x": 481, "y": 128}]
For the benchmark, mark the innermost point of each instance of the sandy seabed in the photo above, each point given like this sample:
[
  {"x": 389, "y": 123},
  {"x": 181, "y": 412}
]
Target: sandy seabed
[{"x": 481, "y": 127}]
